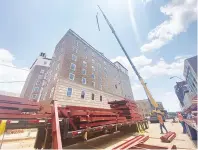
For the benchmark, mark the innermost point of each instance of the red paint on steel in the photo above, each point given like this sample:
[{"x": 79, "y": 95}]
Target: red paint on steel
[
  {"x": 132, "y": 139},
  {"x": 89, "y": 108},
  {"x": 133, "y": 143},
  {"x": 168, "y": 137},
  {"x": 24, "y": 116},
  {"x": 171, "y": 137},
  {"x": 94, "y": 124},
  {"x": 56, "y": 136},
  {"x": 8, "y": 111},
  {"x": 19, "y": 106},
  {"x": 19, "y": 100},
  {"x": 64, "y": 112},
  {"x": 147, "y": 146}
]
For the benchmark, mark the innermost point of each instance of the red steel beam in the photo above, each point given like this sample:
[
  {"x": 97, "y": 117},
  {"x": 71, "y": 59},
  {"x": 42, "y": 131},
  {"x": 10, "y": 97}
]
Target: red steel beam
[
  {"x": 8, "y": 111},
  {"x": 89, "y": 108},
  {"x": 24, "y": 116},
  {"x": 147, "y": 146},
  {"x": 85, "y": 125},
  {"x": 19, "y": 106},
  {"x": 10, "y": 99},
  {"x": 56, "y": 136}
]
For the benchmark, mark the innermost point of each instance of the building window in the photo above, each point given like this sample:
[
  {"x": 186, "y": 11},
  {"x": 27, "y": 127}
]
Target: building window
[
  {"x": 100, "y": 98},
  {"x": 100, "y": 87},
  {"x": 34, "y": 96},
  {"x": 92, "y": 76},
  {"x": 73, "y": 67},
  {"x": 83, "y": 94},
  {"x": 93, "y": 83},
  {"x": 36, "y": 89},
  {"x": 93, "y": 61},
  {"x": 69, "y": 92},
  {"x": 84, "y": 71},
  {"x": 71, "y": 76},
  {"x": 55, "y": 76},
  {"x": 75, "y": 49},
  {"x": 45, "y": 62},
  {"x": 93, "y": 69},
  {"x": 42, "y": 71},
  {"x": 74, "y": 57},
  {"x": 84, "y": 64},
  {"x": 105, "y": 63},
  {"x": 40, "y": 76},
  {"x": 92, "y": 96},
  {"x": 99, "y": 65},
  {"x": 105, "y": 74},
  {"x": 51, "y": 92},
  {"x": 93, "y": 54},
  {"x": 83, "y": 80},
  {"x": 116, "y": 86},
  {"x": 38, "y": 82},
  {"x": 77, "y": 43},
  {"x": 58, "y": 66}
]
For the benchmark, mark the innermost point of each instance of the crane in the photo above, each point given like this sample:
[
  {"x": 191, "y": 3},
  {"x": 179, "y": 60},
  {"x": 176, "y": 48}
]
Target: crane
[{"x": 152, "y": 101}]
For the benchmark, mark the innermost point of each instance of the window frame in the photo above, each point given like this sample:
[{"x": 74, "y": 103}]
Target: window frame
[
  {"x": 84, "y": 70},
  {"x": 42, "y": 71},
  {"x": 74, "y": 56},
  {"x": 73, "y": 76},
  {"x": 100, "y": 98},
  {"x": 34, "y": 98},
  {"x": 82, "y": 92},
  {"x": 71, "y": 92},
  {"x": 93, "y": 76},
  {"x": 84, "y": 80},
  {"x": 36, "y": 87},
  {"x": 92, "y": 96},
  {"x": 84, "y": 64},
  {"x": 93, "y": 68},
  {"x": 93, "y": 84},
  {"x": 74, "y": 67}
]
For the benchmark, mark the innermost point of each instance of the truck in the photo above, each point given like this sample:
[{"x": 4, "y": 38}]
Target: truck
[{"x": 60, "y": 126}]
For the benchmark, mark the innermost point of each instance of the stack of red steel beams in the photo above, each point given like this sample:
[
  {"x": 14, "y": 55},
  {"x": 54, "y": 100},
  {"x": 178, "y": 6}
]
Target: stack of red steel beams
[
  {"x": 127, "y": 108},
  {"x": 84, "y": 117},
  {"x": 168, "y": 137}
]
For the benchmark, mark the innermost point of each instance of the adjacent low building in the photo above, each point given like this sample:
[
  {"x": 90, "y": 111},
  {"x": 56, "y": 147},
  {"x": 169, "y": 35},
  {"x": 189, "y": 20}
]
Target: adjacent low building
[
  {"x": 35, "y": 81},
  {"x": 145, "y": 107}
]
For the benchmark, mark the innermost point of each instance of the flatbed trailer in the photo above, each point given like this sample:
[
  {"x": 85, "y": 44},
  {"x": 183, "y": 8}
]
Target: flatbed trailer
[{"x": 57, "y": 125}]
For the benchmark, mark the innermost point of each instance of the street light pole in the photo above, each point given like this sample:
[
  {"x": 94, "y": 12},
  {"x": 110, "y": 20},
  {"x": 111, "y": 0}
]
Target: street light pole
[{"x": 177, "y": 77}]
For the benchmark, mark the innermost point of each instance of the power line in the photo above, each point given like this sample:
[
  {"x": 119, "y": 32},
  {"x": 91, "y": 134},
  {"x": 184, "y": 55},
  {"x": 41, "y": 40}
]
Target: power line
[
  {"x": 10, "y": 81},
  {"x": 13, "y": 67}
]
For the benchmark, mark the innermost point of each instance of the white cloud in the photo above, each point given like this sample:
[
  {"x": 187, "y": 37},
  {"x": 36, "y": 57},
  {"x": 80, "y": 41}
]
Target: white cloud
[
  {"x": 181, "y": 14},
  {"x": 146, "y": 1},
  {"x": 12, "y": 73},
  {"x": 148, "y": 70}
]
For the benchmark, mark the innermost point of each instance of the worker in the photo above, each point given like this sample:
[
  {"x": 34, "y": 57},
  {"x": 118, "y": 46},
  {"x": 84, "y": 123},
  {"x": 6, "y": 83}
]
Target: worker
[
  {"x": 180, "y": 117},
  {"x": 160, "y": 118}
]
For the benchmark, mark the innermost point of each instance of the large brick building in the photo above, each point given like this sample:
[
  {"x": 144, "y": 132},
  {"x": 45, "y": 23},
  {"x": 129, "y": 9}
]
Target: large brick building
[{"x": 81, "y": 75}]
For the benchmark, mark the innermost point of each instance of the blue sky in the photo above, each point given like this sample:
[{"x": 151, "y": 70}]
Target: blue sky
[{"x": 29, "y": 27}]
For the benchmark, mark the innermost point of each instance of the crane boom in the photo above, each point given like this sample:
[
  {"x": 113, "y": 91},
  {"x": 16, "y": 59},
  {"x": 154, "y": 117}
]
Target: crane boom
[{"x": 150, "y": 97}]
